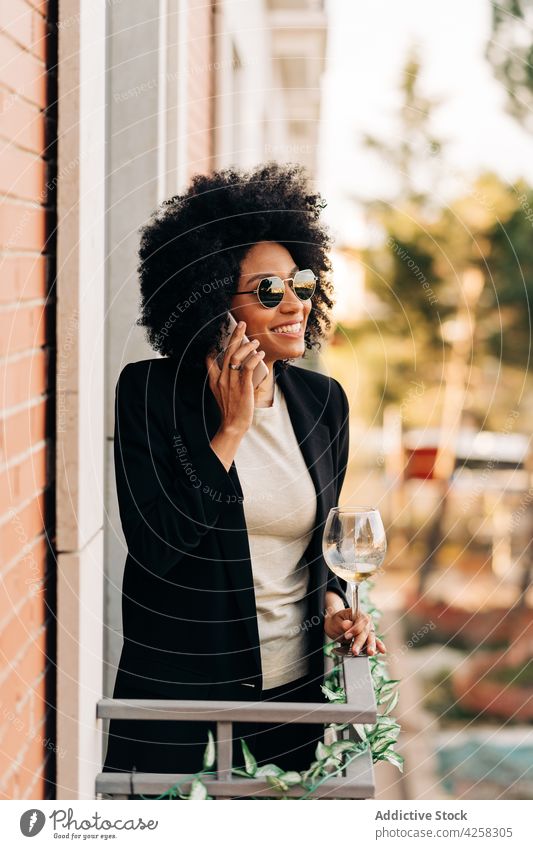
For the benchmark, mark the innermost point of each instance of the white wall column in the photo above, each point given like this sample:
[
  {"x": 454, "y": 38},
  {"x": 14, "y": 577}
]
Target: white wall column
[
  {"x": 142, "y": 78},
  {"x": 80, "y": 381}
]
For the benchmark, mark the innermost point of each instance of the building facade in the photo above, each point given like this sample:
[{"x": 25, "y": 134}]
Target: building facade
[{"x": 106, "y": 109}]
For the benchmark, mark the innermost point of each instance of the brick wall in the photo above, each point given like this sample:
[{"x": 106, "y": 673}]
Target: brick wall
[{"x": 28, "y": 33}]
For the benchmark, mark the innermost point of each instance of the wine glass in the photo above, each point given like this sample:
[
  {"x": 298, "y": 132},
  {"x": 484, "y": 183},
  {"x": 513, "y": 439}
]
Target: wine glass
[{"x": 354, "y": 546}]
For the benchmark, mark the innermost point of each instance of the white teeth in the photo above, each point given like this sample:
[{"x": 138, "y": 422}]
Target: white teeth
[{"x": 288, "y": 328}]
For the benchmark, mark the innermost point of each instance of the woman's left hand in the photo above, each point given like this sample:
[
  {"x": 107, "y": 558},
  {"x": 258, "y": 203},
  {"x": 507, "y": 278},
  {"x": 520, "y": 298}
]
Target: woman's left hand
[{"x": 340, "y": 624}]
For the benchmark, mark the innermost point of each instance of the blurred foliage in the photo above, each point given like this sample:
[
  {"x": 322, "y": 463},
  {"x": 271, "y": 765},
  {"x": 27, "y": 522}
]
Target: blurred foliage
[
  {"x": 510, "y": 52},
  {"x": 440, "y": 699},
  {"x": 417, "y": 263},
  {"x": 491, "y": 228},
  {"x": 516, "y": 676}
]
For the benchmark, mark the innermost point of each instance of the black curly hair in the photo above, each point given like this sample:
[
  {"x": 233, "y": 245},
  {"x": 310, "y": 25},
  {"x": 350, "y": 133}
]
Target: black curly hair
[{"x": 192, "y": 247}]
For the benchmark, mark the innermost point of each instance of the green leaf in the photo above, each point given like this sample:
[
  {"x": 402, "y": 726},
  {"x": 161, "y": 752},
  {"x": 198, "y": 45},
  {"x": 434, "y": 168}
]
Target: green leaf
[
  {"x": 386, "y": 689},
  {"x": 311, "y": 773},
  {"x": 333, "y": 760},
  {"x": 276, "y": 782},
  {"x": 343, "y": 746},
  {"x": 330, "y": 689},
  {"x": 378, "y": 739},
  {"x": 210, "y": 751},
  {"x": 333, "y": 695},
  {"x": 290, "y": 778},
  {"x": 385, "y": 721},
  {"x": 236, "y": 771},
  {"x": 395, "y": 759},
  {"x": 338, "y": 726},
  {"x": 382, "y": 747},
  {"x": 322, "y": 751},
  {"x": 266, "y": 770},
  {"x": 360, "y": 730},
  {"x": 198, "y": 790},
  {"x": 393, "y": 702},
  {"x": 250, "y": 762}
]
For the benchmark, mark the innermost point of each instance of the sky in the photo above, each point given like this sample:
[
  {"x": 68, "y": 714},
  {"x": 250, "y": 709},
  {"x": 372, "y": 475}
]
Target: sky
[{"x": 368, "y": 42}]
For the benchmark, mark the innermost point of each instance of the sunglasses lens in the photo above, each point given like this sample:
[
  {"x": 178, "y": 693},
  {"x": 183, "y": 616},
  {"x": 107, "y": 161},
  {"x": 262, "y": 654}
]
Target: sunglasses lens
[
  {"x": 270, "y": 291},
  {"x": 304, "y": 284}
]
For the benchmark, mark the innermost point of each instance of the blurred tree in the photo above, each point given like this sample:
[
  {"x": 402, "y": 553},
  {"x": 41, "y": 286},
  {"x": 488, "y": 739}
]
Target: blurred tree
[
  {"x": 402, "y": 265},
  {"x": 417, "y": 263},
  {"x": 510, "y": 52},
  {"x": 511, "y": 277},
  {"x": 413, "y": 147}
]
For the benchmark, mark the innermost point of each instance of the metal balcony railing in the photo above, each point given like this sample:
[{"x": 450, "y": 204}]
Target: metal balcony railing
[{"x": 357, "y": 782}]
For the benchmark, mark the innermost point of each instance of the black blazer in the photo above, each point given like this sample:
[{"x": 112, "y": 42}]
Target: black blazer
[{"x": 188, "y": 603}]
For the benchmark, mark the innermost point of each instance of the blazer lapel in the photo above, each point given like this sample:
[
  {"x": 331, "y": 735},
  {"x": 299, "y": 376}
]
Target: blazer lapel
[{"x": 200, "y": 420}]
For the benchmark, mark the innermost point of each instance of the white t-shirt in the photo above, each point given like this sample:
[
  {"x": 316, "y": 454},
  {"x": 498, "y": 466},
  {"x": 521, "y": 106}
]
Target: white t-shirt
[{"x": 280, "y": 511}]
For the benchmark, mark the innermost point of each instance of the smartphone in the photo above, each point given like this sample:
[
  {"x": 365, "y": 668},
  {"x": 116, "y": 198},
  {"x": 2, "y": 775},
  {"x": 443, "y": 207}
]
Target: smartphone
[{"x": 260, "y": 371}]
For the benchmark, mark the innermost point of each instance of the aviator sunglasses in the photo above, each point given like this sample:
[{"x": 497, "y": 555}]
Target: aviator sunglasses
[{"x": 271, "y": 290}]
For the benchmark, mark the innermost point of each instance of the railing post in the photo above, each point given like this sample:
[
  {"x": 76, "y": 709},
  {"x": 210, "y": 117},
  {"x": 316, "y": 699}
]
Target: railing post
[{"x": 224, "y": 750}]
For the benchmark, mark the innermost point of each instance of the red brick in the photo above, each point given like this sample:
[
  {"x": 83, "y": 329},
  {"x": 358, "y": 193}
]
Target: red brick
[
  {"x": 36, "y": 786},
  {"x": 23, "y": 277},
  {"x": 17, "y": 734},
  {"x": 25, "y": 671},
  {"x": 21, "y": 122},
  {"x": 9, "y": 789},
  {"x": 22, "y": 174},
  {"x": 22, "y": 72},
  {"x": 32, "y": 763},
  {"x": 23, "y": 578},
  {"x": 22, "y": 328},
  {"x": 24, "y": 25},
  {"x": 22, "y": 626},
  {"x": 22, "y": 378},
  {"x": 22, "y": 226},
  {"x": 21, "y": 528},
  {"x": 19, "y": 482},
  {"x": 40, "y": 5},
  {"x": 38, "y": 689},
  {"x": 21, "y": 430}
]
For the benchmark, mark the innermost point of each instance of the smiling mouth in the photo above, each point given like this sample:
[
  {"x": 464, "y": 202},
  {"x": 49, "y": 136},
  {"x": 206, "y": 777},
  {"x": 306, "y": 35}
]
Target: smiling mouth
[{"x": 289, "y": 329}]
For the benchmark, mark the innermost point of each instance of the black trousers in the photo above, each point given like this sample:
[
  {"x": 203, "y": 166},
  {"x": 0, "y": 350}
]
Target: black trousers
[{"x": 178, "y": 747}]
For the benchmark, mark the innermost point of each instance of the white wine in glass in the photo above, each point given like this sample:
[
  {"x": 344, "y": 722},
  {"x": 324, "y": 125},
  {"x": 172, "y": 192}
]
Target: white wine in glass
[{"x": 354, "y": 545}]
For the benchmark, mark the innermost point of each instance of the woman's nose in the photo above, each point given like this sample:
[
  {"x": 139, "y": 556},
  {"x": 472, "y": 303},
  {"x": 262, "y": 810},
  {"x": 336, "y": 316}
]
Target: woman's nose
[{"x": 289, "y": 296}]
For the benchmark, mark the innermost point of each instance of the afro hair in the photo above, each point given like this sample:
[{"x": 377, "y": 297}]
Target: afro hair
[{"x": 192, "y": 247}]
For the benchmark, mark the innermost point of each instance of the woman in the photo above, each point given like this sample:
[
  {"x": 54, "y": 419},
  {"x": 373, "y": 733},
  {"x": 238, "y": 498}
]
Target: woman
[{"x": 224, "y": 490}]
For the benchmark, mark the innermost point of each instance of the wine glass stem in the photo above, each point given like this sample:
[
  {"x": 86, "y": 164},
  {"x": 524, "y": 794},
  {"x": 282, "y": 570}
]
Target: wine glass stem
[
  {"x": 355, "y": 605},
  {"x": 355, "y": 600}
]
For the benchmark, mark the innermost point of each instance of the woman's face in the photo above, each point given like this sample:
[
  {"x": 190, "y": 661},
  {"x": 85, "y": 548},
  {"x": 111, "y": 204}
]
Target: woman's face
[{"x": 265, "y": 259}]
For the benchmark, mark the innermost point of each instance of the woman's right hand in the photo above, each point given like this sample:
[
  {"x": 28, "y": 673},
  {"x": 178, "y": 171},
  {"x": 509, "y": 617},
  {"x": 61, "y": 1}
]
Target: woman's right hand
[{"x": 232, "y": 388}]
